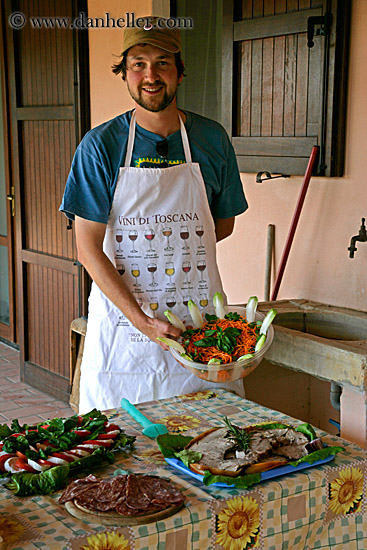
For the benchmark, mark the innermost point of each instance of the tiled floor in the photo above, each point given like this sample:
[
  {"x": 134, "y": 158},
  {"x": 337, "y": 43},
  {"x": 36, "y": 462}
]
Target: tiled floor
[{"x": 19, "y": 400}]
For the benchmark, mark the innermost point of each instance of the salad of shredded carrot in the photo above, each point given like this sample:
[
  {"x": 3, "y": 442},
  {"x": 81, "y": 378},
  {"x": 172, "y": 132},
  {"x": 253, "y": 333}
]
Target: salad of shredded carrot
[{"x": 213, "y": 340}]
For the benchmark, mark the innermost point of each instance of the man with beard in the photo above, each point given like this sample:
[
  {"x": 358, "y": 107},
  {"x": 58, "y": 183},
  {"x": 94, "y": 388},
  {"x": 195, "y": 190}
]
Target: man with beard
[{"x": 151, "y": 192}]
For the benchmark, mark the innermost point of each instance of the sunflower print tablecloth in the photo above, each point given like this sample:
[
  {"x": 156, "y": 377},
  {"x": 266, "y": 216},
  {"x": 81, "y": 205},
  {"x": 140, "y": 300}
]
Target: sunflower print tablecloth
[{"x": 322, "y": 507}]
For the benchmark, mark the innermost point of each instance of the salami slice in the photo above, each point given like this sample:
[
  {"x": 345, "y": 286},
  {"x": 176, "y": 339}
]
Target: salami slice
[
  {"x": 77, "y": 487},
  {"x": 135, "y": 498},
  {"x": 87, "y": 498},
  {"x": 110, "y": 492},
  {"x": 160, "y": 491},
  {"x": 128, "y": 495}
]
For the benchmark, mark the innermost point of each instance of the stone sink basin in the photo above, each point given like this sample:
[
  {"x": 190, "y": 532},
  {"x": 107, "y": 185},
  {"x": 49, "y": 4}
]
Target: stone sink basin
[{"x": 321, "y": 340}]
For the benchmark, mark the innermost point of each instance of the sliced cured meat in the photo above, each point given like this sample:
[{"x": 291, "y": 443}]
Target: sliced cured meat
[
  {"x": 87, "y": 498},
  {"x": 135, "y": 498},
  {"x": 128, "y": 495},
  {"x": 110, "y": 492},
  {"x": 78, "y": 486},
  {"x": 160, "y": 491}
]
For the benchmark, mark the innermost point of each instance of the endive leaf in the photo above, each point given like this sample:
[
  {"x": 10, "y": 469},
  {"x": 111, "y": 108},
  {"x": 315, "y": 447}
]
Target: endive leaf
[
  {"x": 219, "y": 305},
  {"x": 195, "y": 314}
]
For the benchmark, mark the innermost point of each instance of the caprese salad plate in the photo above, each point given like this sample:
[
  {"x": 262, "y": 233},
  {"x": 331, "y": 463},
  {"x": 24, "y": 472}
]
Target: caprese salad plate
[{"x": 38, "y": 459}]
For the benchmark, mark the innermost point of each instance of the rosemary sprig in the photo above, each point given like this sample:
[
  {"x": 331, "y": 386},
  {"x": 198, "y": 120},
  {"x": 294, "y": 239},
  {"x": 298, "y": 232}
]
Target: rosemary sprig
[{"x": 237, "y": 435}]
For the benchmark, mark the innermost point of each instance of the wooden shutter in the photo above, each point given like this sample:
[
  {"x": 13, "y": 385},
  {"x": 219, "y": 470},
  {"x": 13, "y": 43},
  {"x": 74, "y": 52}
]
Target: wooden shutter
[{"x": 274, "y": 84}]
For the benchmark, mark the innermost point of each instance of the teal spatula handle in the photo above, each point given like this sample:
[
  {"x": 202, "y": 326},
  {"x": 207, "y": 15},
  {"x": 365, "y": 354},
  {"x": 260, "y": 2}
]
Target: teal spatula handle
[{"x": 135, "y": 413}]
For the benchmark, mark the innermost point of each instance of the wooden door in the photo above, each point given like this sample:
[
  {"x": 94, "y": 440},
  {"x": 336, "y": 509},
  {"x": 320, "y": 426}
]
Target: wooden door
[
  {"x": 49, "y": 112},
  {"x": 7, "y": 319}
]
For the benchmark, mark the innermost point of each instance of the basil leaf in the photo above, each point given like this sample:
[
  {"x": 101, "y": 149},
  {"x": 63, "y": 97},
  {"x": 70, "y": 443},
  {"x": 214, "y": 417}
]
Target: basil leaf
[
  {"x": 16, "y": 427},
  {"x": 210, "y": 318},
  {"x": 5, "y": 431},
  {"x": 205, "y": 342},
  {"x": 232, "y": 316}
]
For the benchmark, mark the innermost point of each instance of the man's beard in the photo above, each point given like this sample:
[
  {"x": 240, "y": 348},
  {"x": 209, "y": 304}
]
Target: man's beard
[{"x": 149, "y": 104}]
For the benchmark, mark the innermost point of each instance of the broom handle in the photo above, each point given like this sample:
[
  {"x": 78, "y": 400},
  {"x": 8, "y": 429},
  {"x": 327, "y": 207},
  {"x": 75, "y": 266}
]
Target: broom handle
[{"x": 296, "y": 215}]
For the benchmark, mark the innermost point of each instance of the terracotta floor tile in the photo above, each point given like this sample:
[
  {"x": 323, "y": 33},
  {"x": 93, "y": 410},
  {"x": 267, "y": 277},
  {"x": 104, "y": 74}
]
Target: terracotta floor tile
[
  {"x": 14, "y": 394},
  {"x": 10, "y": 386},
  {"x": 61, "y": 413},
  {"x": 41, "y": 408},
  {"x": 19, "y": 400},
  {"x": 5, "y": 372},
  {"x": 15, "y": 379},
  {"x": 8, "y": 406},
  {"x": 30, "y": 400},
  {"x": 29, "y": 420}
]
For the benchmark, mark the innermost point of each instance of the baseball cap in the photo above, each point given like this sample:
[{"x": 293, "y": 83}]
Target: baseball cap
[{"x": 153, "y": 33}]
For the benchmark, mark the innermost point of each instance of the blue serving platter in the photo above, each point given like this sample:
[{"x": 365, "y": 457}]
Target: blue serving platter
[{"x": 270, "y": 474}]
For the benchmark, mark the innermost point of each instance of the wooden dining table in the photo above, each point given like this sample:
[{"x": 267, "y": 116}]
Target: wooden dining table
[{"x": 318, "y": 507}]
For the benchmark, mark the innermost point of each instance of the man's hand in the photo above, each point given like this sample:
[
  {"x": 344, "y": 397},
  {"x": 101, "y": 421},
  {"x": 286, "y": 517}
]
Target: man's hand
[
  {"x": 89, "y": 239},
  {"x": 154, "y": 328}
]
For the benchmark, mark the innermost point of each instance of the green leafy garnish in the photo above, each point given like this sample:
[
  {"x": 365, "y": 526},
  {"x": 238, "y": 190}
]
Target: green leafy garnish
[
  {"x": 187, "y": 456},
  {"x": 170, "y": 444},
  {"x": 321, "y": 454},
  {"x": 307, "y": 430},
  {"x": 240, "y": 482}
]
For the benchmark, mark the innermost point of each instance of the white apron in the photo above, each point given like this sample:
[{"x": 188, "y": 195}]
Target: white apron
[{"x": 161, "y": 238}]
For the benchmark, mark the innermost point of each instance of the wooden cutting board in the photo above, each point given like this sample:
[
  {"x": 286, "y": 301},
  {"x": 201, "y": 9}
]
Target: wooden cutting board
[{"x": 113, "y": 518}]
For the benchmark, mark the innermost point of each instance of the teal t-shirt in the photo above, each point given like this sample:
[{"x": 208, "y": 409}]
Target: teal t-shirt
[{"x": 94, "y": 171}]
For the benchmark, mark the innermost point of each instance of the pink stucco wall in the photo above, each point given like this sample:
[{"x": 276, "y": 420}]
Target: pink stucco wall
[{"x": 319, "y": 267}]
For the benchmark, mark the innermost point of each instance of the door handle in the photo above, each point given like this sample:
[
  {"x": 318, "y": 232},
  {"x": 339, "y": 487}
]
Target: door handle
[{"x": 11, "y": 198}]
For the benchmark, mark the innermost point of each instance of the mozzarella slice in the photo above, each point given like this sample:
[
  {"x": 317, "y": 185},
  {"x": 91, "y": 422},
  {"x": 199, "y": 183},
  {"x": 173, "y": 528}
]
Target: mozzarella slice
[
  {"x": 38, "y": 467},
  {"x": 8, "y": 464},
  {"x": 81, "y": 452},
  {"x": 87, "y": 446},
  {"x": 56, "y": 460}
]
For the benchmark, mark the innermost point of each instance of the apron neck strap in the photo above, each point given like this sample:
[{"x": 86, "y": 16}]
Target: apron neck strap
[{"x": 130, "y": 143}]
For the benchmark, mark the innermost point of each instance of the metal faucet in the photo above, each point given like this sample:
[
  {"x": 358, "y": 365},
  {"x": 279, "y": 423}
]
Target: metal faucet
[{"x": 361, "y": 237}]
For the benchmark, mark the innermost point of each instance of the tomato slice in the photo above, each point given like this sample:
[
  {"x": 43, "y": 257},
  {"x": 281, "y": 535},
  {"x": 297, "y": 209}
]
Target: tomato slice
[
  {"x": 99, "y": 442},
  {"x": 22, "y": 466},
  {"x": 21, "y": 455},
  {"x": 112, "y": 427},
  {"x": 63, "y": 456},
  {"x": 82, "y": 433}
]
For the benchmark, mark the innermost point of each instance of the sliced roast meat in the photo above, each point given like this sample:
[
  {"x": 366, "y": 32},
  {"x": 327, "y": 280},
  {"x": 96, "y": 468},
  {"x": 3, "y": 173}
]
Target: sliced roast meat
[
  {"x": 293, "y": 452},
  {"x": 221, "y": 454}
]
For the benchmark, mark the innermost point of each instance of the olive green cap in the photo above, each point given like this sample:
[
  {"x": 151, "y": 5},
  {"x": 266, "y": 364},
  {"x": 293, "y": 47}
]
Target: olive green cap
[{"x": 155, "y": 33}]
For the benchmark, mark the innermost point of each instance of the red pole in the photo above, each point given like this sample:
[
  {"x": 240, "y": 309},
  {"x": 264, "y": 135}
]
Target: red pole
[{"x": 296, "y": 215}]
